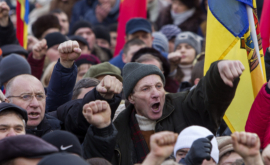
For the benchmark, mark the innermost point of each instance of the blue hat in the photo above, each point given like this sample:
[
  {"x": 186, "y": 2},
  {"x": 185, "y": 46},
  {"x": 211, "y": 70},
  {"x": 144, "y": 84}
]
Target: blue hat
[
  {"x": 160, "y": 42},
  {"x": 170, "y": 31},
  {"x": 138, "y": 24}
]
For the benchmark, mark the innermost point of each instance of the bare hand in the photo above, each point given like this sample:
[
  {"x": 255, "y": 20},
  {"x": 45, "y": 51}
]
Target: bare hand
[
  {"x": 246, "y": 144},
  {"x": 97, "y": 113},
  {"x": 161, "y": 144},
  {"x": 69, "y": 52},
  {"x": 2, "y": 97},
  {"x": 109, "y": 86},
  {"x": 230, "y": 70},
  {"x": 4, "y": 11},
  {"x": 266, "y": 155},
  {"x": 31, "y": 41},
  {"x": 40, "y": 49},
  {"x": 174, "y": 58}
]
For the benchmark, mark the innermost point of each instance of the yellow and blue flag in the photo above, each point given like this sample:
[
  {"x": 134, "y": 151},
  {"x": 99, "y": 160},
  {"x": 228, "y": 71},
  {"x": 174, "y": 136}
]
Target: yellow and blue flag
[{"x": 228, "y": 37}]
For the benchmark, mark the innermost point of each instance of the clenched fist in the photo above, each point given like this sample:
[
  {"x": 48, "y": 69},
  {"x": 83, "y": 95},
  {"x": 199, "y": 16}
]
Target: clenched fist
[
  {"x": 230, "y": 70},
  {"x": 69, "y": 52},
  {"x": 174, "y": 58},
  {"x": 162, "y": 144},
  {"x": 4, "y": 11},
  {"x": 40, "y": 49},
  {"x": 109, "y": 86},
  {"x": 97, "y": 113}
]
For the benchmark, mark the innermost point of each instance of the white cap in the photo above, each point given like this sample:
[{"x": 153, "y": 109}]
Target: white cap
[{"x": 192, "y": 133}]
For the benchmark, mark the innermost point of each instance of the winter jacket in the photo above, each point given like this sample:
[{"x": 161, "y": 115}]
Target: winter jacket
[
  {"x": 36, "y": 66},
  {"x": 259, "y": 116},
  {"x": 48, "y": 124},
  {"x": 191, "y": 24},
  {"x": 205, "y": 105},
  {"x": 61, "y": 86},
  {"x": 8, "y": 34},
  {"x": 267, "y": 63},
  {"x": 71, "y": 112}
]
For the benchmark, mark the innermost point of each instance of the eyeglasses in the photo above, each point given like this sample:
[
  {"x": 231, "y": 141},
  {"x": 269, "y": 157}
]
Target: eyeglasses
[{"x": 29, "y": 97}]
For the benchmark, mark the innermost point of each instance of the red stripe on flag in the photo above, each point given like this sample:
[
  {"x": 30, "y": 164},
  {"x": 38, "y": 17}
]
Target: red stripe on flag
[
  {"x": 128, "y": 9},
  {"x": 20, "y": 24},
  {"x": 265, "y": 25}
]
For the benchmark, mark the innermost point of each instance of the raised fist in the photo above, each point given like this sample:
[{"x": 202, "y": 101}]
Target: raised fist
[
  {"x": 109, "y": 86},
  {"x": 40, "y": 49},
  {"x": 97, "y": 113},
  {"x": 174, "y": 58},
  {"x": 69, "y": 52},
  {"x": 230, "y": 70}
]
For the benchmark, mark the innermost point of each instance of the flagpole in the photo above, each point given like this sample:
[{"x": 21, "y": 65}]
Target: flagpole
[{"x": 254, "y": 34}]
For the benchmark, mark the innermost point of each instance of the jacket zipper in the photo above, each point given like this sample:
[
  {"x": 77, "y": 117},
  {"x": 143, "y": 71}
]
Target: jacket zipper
[{"x": 164, "y": 118}]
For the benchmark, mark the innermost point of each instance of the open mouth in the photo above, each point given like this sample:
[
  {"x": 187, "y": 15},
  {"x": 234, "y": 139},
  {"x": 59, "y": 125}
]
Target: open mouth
[
  {"x": 155, "y": 107},
  {"x": 33, "y": 115}
]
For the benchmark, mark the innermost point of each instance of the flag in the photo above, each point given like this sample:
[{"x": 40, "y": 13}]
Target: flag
[
  {"x": 128, "y": 9},
  {"x": 265, "y": 24},
  {"x": 229, "y": 37},
  {"x": 22, "y": 11}
]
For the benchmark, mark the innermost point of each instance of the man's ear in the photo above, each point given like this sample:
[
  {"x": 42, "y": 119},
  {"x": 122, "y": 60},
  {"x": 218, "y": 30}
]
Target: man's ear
[
  {"x": 196, "y": 81},
  {"x": 124, "y": 58},
  {"x": 131, "y": 99},
  {"x": 7, "y": 100}
]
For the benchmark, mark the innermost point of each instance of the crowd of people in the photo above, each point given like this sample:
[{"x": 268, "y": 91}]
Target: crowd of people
[{"x": 70, "y": 98}]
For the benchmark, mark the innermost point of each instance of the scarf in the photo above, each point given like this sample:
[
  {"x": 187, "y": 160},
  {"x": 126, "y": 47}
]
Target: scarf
[
  {"x": 141, "y": 148},
  {"x": 181, "y": 17}
]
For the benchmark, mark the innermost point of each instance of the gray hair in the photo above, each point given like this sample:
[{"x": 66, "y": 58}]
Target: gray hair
[{"x": 84, "y": 83}]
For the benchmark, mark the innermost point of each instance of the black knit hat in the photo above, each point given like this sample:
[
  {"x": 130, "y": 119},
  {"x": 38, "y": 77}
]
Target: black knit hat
[
  {"x": 190, "y": 3},
  {"x": 13, "y": 48},
  {"x": 12, "y": 66},
  {"x": 62, "y": 159},
  {"x": 78, "y": 25},
  {"x": 102, "y": 33},
  {"x": 134, "y": 72},
  {"x": 26, "y": 146},
  {"x": 64, "y": 141},
  {"x": 54, "y": 39},
  {"x": 44, "y": 23}
]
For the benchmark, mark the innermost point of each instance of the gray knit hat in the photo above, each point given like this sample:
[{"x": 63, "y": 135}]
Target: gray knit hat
[
  {"x": 190, "y": 38},
  {"x": 133, "y": 72},
  {"x": 12, "y": 66},
  {"x": 160, "y": 42}
]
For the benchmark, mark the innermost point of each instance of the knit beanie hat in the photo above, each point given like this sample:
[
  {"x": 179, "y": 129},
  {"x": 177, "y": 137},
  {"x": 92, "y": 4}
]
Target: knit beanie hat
[
  {"x": 12, "y": 66},
  {"x": 54, "y": 39},
  {"x": 192, "y": 133},
  {"x": 104, "y": 68},
  {"x": 160, "y": 42},
  {"x": 190, "y": 38},
  {"x": 14, "y": 48},
  {"x": 78, "y": 25},
  {"x": 170, "y": 31},
  {"x": 134, "y": 72},
  {"x": 62, "y": 158},
  {"x": 64, "y": 141},
  {"x": 224, "y": 145},
  {"x": 87, "y": 59},
  {"x": 190, "y": 3},
  {"x": 102, "y": 33},
  {"x": 44, "y": 23}
]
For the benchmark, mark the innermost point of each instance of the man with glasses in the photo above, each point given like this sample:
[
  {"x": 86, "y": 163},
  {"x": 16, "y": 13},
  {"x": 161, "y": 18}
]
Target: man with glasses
[{"x": 27, "y": 92}]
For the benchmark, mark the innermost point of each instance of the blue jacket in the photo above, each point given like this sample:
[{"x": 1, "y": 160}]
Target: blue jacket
[{"x": 61, "y": 86}]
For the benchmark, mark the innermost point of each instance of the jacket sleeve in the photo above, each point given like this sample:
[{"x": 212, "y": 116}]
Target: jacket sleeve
[
  {"x": 8, "y": 34},
  {"x": 206, "y": 104},
  {"x": 259, "y": 117},
  {"x": 100, "y": 142},
  {"x": 36, "y": 66},
  {"x": 267, "y": 63},
  {"x": 61, "y": 86}
]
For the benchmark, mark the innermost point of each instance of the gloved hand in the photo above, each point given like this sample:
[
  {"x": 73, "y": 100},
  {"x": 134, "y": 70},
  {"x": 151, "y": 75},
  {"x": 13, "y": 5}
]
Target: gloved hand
[{"x": 200, "y": 150}]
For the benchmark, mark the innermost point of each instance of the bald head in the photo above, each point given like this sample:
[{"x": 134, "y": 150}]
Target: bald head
[{"x": 27, "y": 92}]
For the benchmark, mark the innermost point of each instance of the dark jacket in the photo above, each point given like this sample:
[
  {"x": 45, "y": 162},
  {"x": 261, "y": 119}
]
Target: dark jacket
[
  {"x": 61, "y": 86},
  {"x": 48, "y": 124},
  {"x": 205, "y": 105},
  {"x": 71, "y": 113},
  {"x": 8, "y": 35},
  {"x": 191, "y": 24},
  {"x": 267, "y": 64}
]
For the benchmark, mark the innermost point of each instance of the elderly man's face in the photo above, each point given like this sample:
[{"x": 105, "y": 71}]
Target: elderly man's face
[
  {"x": 149, "y": 97},
  {"x": 11, "y": 125},
  {"x": 31, "y": 97}
]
